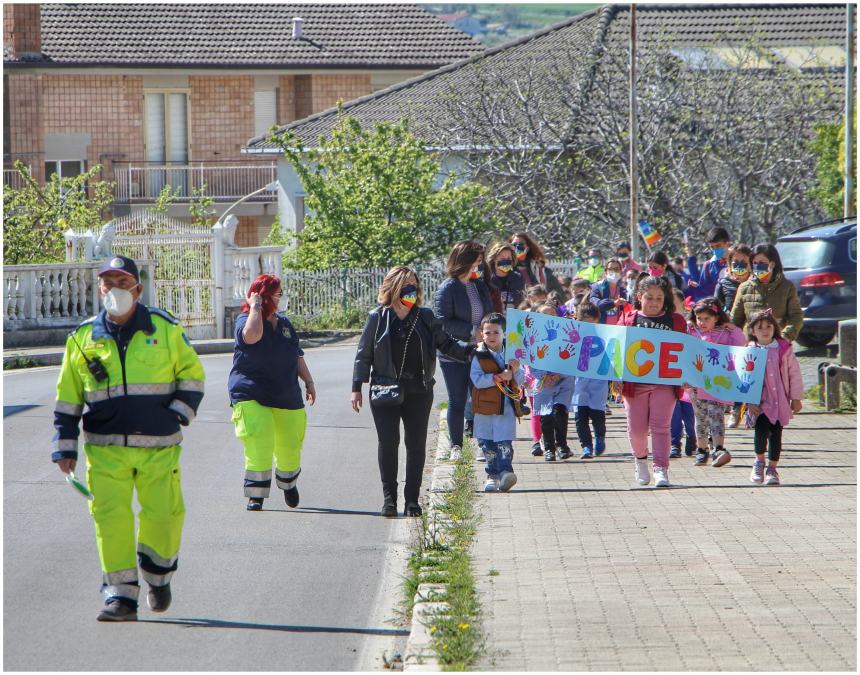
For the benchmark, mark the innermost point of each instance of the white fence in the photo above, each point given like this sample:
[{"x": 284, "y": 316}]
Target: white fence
[{"x": 143, "y": 184}]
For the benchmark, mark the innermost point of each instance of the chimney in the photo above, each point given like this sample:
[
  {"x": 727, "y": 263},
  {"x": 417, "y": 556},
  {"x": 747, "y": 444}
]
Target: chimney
[
  {"x": 297, "y": 27},
  {"x": 22, "y": 30}
]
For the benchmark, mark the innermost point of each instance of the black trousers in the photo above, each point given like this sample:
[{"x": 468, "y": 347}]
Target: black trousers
[
  {"x": 768, "y": 436},
  {"x": 415, "y": 413},
  {"x": 598, "y": 419},
  {"x": 553, "y": 428}
]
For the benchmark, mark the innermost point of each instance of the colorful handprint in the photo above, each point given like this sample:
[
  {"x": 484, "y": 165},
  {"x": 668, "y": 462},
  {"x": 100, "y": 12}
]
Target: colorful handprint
[
  {"x": 565, "y": 352},
  {"x": 551, "y": 329},
  {"x": 529, "y": 322},
  {"x": 542, "y": 350},
  {"x": 515, "y": 339},
  {"x": 571, "y": 333},
  {"x": 531, "y": 338},
  {"x": 713, "y": 356},
  {"x": 746, "y": 383},
  {"x": 520, "y": 353},
  {"x": 520, "y": 328},
  {"x": 699, "y": 363},
  {"x": 707, "y": 382},
  {"x": 730, "y": 362},
  {"x": 749, "y": 363},
  {"x": 722, "y": 381}
]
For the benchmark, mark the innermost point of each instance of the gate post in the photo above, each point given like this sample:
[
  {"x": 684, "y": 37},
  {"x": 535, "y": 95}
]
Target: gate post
[{"x": 218, "y": 267}]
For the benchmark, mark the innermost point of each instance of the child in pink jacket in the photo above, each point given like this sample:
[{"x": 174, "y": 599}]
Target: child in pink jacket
[
  {"x": 709, "y": 322},
  {"x": 780, "y": 395}
]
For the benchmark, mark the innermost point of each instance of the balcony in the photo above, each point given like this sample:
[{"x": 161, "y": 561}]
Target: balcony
[
  {"x": 142, "y": 182},
  {"x": 12, "y": 179}
]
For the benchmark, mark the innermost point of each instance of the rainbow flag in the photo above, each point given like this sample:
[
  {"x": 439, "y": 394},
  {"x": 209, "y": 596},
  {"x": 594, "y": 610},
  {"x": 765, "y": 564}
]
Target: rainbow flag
[{"x": 650, "y": 235}]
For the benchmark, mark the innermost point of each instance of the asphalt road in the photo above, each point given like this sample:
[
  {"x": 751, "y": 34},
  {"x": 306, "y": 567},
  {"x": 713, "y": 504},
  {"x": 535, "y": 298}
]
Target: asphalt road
[{"x": 306, "y": 589}]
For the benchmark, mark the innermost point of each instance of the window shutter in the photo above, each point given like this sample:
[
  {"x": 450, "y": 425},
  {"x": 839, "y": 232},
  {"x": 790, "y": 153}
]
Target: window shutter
[
  {"x": 265, "y": 111},
  {"x": 178, "y": 128},
  {"x": 155, "y": 127}
]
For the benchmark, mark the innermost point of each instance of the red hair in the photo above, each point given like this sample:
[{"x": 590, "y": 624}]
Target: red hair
[{"x": 266, "y": 285}]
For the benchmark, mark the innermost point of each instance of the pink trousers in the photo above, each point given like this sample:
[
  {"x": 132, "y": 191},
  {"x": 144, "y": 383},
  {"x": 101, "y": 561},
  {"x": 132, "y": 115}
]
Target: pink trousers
[
  {"x": 650, "y": 409},
  {"x": 535, "y": 421}
]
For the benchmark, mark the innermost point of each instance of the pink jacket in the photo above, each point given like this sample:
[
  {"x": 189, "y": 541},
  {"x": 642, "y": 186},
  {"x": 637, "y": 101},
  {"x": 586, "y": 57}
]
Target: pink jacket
[
  {"x": 718, "y": 336},
  {"x": 789, "y": 371}
]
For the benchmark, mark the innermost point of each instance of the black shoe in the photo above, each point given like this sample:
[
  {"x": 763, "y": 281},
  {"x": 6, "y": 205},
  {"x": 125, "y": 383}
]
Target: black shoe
[
  {"x": 675, "y": 453},
  {"x": 701, "y": 457},
  {"x": 291, "y": 497},
  {"x": 537, "y": 451},
  {"x": 388, "y": 510},
  {"x": 159, "y": 598},
  {"x": 412, "y": 510},
  {"x": 564, "y": 453},
  {"x": 689, "y": 447},
  {"x": 255, "y": 504},
  {"x": 549, "y": 456},
  {"x": 117, "y": 610}
]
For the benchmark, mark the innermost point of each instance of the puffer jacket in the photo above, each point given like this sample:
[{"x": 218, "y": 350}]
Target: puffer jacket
[{"x": 779, "y": 294}]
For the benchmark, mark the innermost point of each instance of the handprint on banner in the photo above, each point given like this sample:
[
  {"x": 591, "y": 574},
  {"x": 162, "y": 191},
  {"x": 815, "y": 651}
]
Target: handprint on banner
[
  {"x": 722, "y": 381},
  {"x": 746, "y": 383},
  {"x": 707, "y": 382},
  {"x": 531, "y": 338},
  {"x": 542, "y": 350},
  {"x": 515, "y": 339},
  {"x": 699, "y": 363},
  {"x": 565, "y": 352},
  {"x": 713, "y": 356},
  {"x": 520, "y": 354},
  {"x": 749, "y": 363},
  {"x": 551, "y": 329},
  {"x": 571, "y": 333},
  {"x": 730, "y": 362},
  {"x": 529, "y": 322}
]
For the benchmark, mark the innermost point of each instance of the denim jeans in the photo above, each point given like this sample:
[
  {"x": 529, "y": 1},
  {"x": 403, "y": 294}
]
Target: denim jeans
[
  {"x": 686, "y": 416},
  {"x": 457, "y": 382},
  {"x": 499, "y": 455}
]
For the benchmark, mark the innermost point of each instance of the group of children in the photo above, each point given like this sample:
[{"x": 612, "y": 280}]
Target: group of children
[{"x": 655, "y": 410}]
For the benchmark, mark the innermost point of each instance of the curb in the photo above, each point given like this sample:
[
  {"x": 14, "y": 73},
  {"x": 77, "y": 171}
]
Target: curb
[{"x": 418, "y": 654}]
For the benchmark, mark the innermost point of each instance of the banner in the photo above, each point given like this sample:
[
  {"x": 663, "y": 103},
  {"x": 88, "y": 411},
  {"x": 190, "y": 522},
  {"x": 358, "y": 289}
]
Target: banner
[{"x": 647, "y": 355}]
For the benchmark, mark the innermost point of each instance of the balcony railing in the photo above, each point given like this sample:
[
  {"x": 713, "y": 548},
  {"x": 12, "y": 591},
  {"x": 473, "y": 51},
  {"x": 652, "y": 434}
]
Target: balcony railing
[
  {"x": 13, "y": 179},
  {"x": 142, "y": 183}
]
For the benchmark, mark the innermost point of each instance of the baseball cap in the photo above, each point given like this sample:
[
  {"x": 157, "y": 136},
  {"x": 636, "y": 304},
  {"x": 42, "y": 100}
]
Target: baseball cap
[{"x": 119, "y": 263}]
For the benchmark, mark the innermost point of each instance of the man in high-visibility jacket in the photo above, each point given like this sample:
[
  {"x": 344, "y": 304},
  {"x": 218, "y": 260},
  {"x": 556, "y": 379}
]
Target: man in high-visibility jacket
[{"x": 138, "y": 375}]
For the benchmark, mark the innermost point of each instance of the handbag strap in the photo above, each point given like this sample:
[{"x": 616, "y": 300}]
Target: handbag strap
[{"x": 406, "y": 347}]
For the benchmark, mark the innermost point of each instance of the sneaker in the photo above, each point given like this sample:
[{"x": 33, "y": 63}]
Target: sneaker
[
  {"x": 412, "y": 510},
  {"x": 549, "y": 456},
  {"x": 661, "y": 476},
  {"x": 255, "y": 504},
  {"x": 599, "y": 445},
  {"x": 491, "y": 485},
  {"x": 757, "y": 475},
  {"x": 291, "y": 497},
  {"x": 586, "y": 453},
  {"x": 117, "y": 610},
  {"x": 564, "y": 453},
  {"x": 479, "y": 456},
  {"x": 771, "y": 477},
  {"x": 642, "y": 474},
  {"x": 675, "y": 452},
  {"x": 701, "y": 456},
  {"x": 456, "y": 453},
  {"x": 159, "y": 598},
  {"x": 721, "y": 457},
  {"x": 507, "y": 480},
  {"x": 537, "y": 450},
  {"x": 388, "y": 510}
]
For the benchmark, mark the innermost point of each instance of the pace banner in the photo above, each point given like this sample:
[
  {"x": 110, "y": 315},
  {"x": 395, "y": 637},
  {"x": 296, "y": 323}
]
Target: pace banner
[{"x": 646, "y": 355}]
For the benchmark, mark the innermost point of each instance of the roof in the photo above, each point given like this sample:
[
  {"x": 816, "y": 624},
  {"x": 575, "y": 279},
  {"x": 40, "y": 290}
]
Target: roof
[
  {"x": 334, "y": 35},
  {"x": 690, "y": 27}
]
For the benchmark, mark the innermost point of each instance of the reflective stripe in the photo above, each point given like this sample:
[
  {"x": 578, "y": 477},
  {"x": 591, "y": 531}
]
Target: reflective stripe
[
  {"x": 69, "y": 408},
  {"x": 258, "y": 475},
  {"x": 287, "y": 481},
  {"x": 66, "y": 444},
  {"x": 103, "y": 394},
  {"x": 262, "y": 492},
  {"x": 156, "y": 579},
  {"x": 149, "y": 389},
  {"x": 121, "y": 584},
  {"x": 154, "y": 557},
  {"x": 128, "y": 576},
  {"x": 133, "y": 440},
  {"x": 257, "y": 483},
  {"x": 190, "y": 385},
  {"x": 183, "y": 409}
]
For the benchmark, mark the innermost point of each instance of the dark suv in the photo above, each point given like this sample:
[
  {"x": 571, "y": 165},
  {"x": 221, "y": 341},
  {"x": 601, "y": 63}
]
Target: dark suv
[{"x": 821, "y": 261}]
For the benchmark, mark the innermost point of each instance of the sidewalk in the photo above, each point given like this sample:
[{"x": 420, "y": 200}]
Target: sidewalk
[{"x": 593, "y": 572}]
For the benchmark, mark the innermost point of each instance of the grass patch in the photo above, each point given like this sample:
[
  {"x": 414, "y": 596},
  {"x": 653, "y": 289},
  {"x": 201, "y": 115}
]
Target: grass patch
[
  {"x": 20, "y": 362},
  {"x": 442, "y": 405},
  {"x": 441, "y": 554}
]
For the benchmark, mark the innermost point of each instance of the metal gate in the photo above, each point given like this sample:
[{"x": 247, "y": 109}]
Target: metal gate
[{"x": 184, "y": 281}]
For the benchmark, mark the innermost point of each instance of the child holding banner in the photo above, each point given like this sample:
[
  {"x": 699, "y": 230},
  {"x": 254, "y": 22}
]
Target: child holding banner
[
  {"x": 650, "y": 406},
  {"x": 710, "y": 323},
  {"x": 589, "y": 399},
  {"x": 780, "y": 396}
]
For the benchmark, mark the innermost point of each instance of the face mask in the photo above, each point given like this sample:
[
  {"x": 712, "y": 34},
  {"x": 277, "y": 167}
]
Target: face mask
[
  {"x": 622, "y": 256},
  {"x": 761, "y": 271},
  {"x": 655, "y": 271},
  {"x": 409, "y": 295},
  {"x": 593, "y": 261},
  {"x": 477, "y": 273},
  {"x": 739, "y": 269},
  {"x": 118, "y": 301},
  {"x": 612, "y": 276},
  {"x": 505, "y": 267},
  {"x": 718, "y": 253},
  {"x": 522, "y": 251}
]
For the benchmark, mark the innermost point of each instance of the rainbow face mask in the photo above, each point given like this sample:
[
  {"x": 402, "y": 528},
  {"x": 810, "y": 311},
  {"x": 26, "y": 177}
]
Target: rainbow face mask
[
  {"x": 409, "y": 296},
  {"x": 505, "y": 267},
  {"x": 761, "y": 271},
  {"x": 477, "y": 273},
  {"x": 521, "y": 251}
]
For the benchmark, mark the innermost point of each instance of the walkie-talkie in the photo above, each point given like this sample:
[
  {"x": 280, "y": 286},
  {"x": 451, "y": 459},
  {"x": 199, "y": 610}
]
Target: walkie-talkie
[{"x": 94, "y": 365}]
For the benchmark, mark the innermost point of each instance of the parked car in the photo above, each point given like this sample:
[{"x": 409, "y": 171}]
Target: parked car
[{"x": 821, "y": 261}]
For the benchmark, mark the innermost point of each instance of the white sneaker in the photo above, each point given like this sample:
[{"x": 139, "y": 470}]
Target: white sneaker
[
  {"x": 661, "y": 476},
  {"x": 491, "y": 485},
  {"x": 507, "y": 481},
  {"x": 642, "y": 473},
  {"x": 456, "y": 453}
]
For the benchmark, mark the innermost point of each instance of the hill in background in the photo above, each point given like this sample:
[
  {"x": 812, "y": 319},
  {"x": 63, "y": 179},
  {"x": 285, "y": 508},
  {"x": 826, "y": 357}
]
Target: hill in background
[{"x": 494, "y": 24}]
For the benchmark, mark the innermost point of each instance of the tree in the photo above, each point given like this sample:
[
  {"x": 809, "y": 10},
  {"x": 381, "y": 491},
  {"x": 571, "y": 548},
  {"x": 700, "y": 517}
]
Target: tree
[
  {"x": 201, "y": 206},
  {"x": 35, "y": 217},
  {"x": 372, "y": 199},
  {"x": 828, "y": 146}
]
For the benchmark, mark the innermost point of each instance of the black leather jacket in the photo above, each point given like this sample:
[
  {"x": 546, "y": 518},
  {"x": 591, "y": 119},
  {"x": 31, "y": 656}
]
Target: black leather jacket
[{"x": 373, "y": 361}]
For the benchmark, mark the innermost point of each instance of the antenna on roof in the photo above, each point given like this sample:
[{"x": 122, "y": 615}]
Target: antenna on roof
[{"x": 297, "y": 27}]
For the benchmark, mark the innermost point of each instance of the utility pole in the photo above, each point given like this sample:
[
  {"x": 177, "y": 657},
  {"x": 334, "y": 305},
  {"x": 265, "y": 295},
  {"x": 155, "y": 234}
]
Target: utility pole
[
  {"x": 634, "y": 134},
  {"x": 848, "y": 190}
]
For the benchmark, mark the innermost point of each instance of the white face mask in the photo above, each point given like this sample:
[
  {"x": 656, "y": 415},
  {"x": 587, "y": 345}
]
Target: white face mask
[
  {"x": 118, "y": 301},
  {"x": 612, "y": 276}
]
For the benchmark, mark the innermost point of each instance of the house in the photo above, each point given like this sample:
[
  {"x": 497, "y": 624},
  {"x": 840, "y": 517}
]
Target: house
[
  {"x": 701, "y": 36},
  {"x": 167, "y": 94}
]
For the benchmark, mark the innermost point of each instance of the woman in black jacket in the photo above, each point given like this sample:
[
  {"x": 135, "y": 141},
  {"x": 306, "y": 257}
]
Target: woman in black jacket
[
  {"x": 398, "y": 345},
  {"x": 461, "y": 301}
]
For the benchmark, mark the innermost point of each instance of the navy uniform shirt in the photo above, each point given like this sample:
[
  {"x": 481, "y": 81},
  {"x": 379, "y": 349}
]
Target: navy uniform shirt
[{"x": 267, "y": 371}]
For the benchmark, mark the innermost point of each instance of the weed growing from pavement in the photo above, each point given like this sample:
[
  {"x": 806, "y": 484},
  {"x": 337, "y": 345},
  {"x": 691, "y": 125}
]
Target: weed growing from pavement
[
  {"x": 442, "y": 405},
  {"x": 441, "y": 554},
  {"x": 20, "y": 362}
]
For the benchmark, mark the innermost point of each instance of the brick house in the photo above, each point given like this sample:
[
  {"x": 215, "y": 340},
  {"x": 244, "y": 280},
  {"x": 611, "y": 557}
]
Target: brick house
[{"x": 168, "y": 93}]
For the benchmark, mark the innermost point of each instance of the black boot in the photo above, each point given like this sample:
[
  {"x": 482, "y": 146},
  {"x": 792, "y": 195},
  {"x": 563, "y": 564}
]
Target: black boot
[{"x": 389, "y": 502}]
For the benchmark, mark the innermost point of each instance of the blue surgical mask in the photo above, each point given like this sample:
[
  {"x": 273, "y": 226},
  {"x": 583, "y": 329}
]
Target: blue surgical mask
[{"x": 719, "y": 253}]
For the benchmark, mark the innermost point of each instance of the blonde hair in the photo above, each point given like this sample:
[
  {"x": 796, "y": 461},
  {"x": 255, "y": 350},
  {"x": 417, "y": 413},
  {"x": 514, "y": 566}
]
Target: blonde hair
[{"x": 394, "y": 282}]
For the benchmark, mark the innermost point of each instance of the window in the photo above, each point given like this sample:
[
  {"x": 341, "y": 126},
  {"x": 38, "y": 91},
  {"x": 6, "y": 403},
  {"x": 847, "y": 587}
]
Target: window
[
  {"x": 805, "y": 253},
  {"x": 66, "y": 168},
  {"x": 265, "y": 111},
  {"x": 166, "y": 127},
  {"x": 852, "y": 249}
]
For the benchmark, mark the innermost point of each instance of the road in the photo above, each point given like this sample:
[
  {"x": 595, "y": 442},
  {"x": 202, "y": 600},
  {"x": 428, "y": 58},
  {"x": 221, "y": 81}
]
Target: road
[{"x": 306, "y": 589}]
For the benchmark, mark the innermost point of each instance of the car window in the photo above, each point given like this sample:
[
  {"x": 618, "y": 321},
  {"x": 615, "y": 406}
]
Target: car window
[
  {"x": 852, "y": 249},
  {"x": 805, "y": 254}
]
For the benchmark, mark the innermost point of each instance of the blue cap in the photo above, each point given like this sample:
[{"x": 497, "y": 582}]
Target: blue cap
[{"x": 119, "y": 263}]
